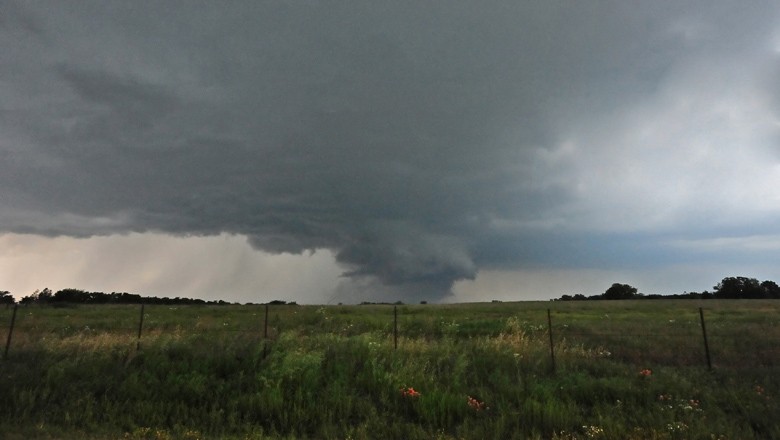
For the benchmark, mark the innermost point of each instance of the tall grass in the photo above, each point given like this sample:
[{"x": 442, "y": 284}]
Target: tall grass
[{"x": 623, "y": 370}]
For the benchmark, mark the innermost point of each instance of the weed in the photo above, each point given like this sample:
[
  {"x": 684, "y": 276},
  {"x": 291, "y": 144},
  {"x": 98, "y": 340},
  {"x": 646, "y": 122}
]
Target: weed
[{"x": 624, "y": 370}]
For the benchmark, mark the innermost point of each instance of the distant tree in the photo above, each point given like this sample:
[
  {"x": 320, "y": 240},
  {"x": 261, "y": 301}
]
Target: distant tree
[
  {"x": 38, "y": 297},
  {"x": 72, "y": 296},
  {"x": 6, "y": 298},
  {"x": 576, "y": 297},
  {"x": 620, "y": 291},
  {"x": 739, "y": 287},
  {"x": 45, "y": 295},
  {"x": 771, "y": 289},
  {"x": 129, "y": 298}
]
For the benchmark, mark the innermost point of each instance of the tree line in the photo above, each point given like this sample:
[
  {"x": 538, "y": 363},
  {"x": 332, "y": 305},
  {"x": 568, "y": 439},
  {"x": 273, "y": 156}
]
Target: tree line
[
  {"x": 728, "y": 288},
  {"x": 77, "y": 296}
]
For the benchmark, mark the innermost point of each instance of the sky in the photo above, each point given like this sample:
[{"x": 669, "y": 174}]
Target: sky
[{"x": 347, "y": 151}]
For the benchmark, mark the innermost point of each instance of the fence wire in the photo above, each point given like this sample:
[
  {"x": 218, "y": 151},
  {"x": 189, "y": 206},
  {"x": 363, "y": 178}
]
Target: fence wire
[{"x": 733, "y": 339}]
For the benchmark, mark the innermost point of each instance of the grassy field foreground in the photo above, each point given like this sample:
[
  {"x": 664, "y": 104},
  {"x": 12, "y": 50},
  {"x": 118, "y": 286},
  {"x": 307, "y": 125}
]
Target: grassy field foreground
[{"x": 622, "y": 370}]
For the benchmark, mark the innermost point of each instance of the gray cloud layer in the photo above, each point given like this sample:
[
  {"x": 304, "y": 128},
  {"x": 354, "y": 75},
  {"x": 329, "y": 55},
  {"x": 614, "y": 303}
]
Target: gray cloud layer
[{"x": 418, "y": 141}]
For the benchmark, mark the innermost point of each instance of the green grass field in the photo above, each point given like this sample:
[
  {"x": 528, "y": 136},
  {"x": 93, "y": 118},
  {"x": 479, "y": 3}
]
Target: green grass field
[{"x": 623, "y": 370}]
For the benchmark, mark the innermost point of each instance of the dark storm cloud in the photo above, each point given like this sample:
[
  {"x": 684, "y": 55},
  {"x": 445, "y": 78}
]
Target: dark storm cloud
[{"x": 417, "y": 141}]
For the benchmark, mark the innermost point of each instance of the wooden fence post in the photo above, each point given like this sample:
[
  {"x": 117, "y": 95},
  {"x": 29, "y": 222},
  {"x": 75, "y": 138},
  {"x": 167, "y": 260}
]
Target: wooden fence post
[
  {"x": 140, "y": 329},
  {"x": 10, "y": 332},
  {"x": 265, "y": 323},
  {"x": 706, "y": 344},
  {"x": 552, "y": 347},
  {"x": 395, "y": 327},
  {"x": 265, "y": 332}
]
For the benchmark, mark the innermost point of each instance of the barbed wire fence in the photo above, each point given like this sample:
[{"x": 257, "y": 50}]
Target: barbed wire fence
[{"x": 684, "y": 339}]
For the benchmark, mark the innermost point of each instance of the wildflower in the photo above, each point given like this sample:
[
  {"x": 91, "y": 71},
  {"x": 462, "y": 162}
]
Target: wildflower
[
  {"x": 759, "y": 390},
  {"x": 475, "y": 403},
  {"x": 593, "y": 431},
  {"x": 409, "y": 392},
  {"x": 646, "y": 372},
  {"x": 677, "y": 427}
]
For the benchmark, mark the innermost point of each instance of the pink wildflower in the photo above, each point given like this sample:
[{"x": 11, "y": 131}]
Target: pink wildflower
[
  {"x": 409, "y": 392},
  {"x": 475, "y": 403}
]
